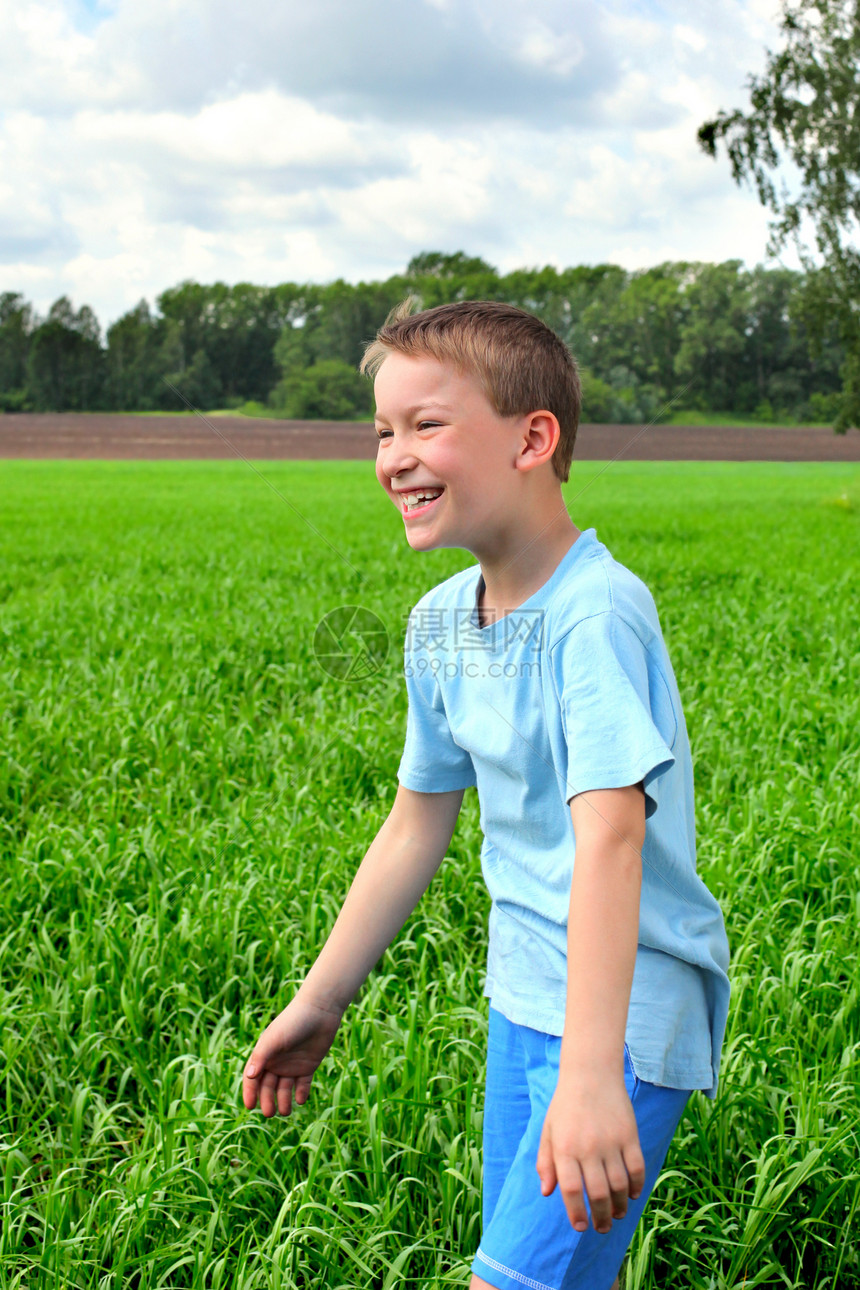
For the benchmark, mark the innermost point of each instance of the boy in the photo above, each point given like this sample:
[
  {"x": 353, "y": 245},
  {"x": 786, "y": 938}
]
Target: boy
[{"x": 540, "y": 676}]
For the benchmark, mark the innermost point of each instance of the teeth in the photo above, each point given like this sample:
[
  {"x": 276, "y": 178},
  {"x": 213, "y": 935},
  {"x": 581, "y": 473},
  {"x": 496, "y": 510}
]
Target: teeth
[{"x": 411, "y": 500}]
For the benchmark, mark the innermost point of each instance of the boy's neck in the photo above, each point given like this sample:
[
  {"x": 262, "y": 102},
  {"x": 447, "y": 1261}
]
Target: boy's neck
[{"x": 522, "y": 560}]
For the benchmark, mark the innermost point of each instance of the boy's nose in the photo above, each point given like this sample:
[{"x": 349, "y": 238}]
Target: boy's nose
[{"x": 398, "y": 461}]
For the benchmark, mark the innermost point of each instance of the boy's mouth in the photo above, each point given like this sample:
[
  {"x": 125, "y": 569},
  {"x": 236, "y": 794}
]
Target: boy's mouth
[{"x": 419, "y": 501}]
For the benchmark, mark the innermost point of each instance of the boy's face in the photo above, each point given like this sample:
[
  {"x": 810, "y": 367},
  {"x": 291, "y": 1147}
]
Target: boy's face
[{"x": 439, "y": 432}]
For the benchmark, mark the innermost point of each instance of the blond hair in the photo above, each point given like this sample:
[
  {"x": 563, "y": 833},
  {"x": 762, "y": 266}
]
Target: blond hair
[{"x": 521, "y": 363}]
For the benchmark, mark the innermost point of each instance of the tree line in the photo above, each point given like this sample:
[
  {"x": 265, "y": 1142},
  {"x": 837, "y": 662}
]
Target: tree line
[{"x": 719, "y": 338}]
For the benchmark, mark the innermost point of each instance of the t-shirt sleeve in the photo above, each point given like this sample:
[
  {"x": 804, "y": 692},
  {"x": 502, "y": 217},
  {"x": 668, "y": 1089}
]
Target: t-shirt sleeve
[
  {"x": 432, "y": 762},
  {"x": 617, "y": 713}
]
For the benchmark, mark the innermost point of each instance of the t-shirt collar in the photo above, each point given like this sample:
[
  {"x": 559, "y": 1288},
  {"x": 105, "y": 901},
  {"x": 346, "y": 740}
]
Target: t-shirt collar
[{"x": 538, "y": 598}]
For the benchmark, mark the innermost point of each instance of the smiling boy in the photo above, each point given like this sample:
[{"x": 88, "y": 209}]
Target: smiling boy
[{"x": 546, "y": 684}]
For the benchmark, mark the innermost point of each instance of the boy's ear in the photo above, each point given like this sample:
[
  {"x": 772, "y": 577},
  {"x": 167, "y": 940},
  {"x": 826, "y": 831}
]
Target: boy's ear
[{"x": 540, "y": 436}]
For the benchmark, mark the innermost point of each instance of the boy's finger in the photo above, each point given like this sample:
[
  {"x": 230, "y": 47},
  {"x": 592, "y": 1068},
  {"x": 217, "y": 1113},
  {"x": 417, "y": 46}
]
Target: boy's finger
[
  {"x": 545, "y": 1167},
  {"x": 249, "y": 1083},
  {"x": 303, "y": 1088},
  {"x": 285, "y": 1096},
  {"x": 634, "y": 1162},
  {"x": 599, "y": 1197},
  {"x": 267, "y": 1093},
  {"x": 573, "y": 1191},
  {"x": 619, "y": 1185}
]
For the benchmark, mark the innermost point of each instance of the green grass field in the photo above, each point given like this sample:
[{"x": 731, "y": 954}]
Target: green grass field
[
  {"x": 184, "y": 794},
  {"x": 695, "y": 417}
]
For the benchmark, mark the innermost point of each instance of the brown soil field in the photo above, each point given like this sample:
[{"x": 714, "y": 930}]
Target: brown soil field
[{"x": 115, "y": 437}]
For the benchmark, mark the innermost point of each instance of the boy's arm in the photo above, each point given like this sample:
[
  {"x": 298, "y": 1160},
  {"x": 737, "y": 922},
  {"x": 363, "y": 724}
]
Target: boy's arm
[
  {"x": 590, "y": 1140},
  {"x": 392, "y": 878},
  {"x": 390, "y": 881}
]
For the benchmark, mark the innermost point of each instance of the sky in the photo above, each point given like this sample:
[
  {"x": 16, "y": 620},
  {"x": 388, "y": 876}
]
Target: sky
[{"x": 143, "y": 144}]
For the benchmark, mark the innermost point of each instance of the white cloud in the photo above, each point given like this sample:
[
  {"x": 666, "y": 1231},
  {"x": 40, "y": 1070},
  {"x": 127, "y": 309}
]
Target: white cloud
[
  {"x": 302, "y": 142},
  {"x": 544, "y": 48},
  {"x": 696, "y": 39},
  {"x": 446, "y": 189},
  {"x": 444, "y": 62},
  {"x": 47, "y": 64},
  {"x": 266, "y": 130}
]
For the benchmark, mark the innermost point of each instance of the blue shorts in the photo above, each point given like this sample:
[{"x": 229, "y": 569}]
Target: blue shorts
[{"x": 527, "y": 1238}]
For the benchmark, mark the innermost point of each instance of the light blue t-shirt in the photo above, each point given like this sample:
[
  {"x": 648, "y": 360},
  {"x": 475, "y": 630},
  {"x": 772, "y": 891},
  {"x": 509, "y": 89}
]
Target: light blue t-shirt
[{"x": 573, "y": 690}]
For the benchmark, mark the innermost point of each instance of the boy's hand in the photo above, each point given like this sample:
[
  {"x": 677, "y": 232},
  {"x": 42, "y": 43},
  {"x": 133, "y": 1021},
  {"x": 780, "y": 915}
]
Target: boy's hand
[
  {"x": 286, "y": 1055},
  {"x": 590, "y": 1144}
]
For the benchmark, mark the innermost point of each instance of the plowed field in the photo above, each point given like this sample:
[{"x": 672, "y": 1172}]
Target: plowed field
[{"x": 126, "y": 437}]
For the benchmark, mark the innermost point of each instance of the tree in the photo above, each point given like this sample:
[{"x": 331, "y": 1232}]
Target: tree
[
  {"x": 65, "y": 367},
  {"x": 348, "y": 316},
  {"x": 330, "y": 390},
  {"x": 805, "y": 108},
  {"x": 133, "y": 374},
  {"x": 713, "y": 338},
  {"x": 16, "y": 324},
  {"x": 450, "y": 266},
  {"x": 561, "y": 298},
  {"x": 639, "y": 326},
  {"x": 247, "y": 322},
  {"x": 197, "y": 383},
  {"x": 188, "y": 307},
  {"x": 438, "y": 278}
]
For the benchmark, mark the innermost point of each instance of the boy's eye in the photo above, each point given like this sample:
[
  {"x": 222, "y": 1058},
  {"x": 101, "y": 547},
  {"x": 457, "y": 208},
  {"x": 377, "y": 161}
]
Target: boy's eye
[{"x": 422, "y": 425}]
